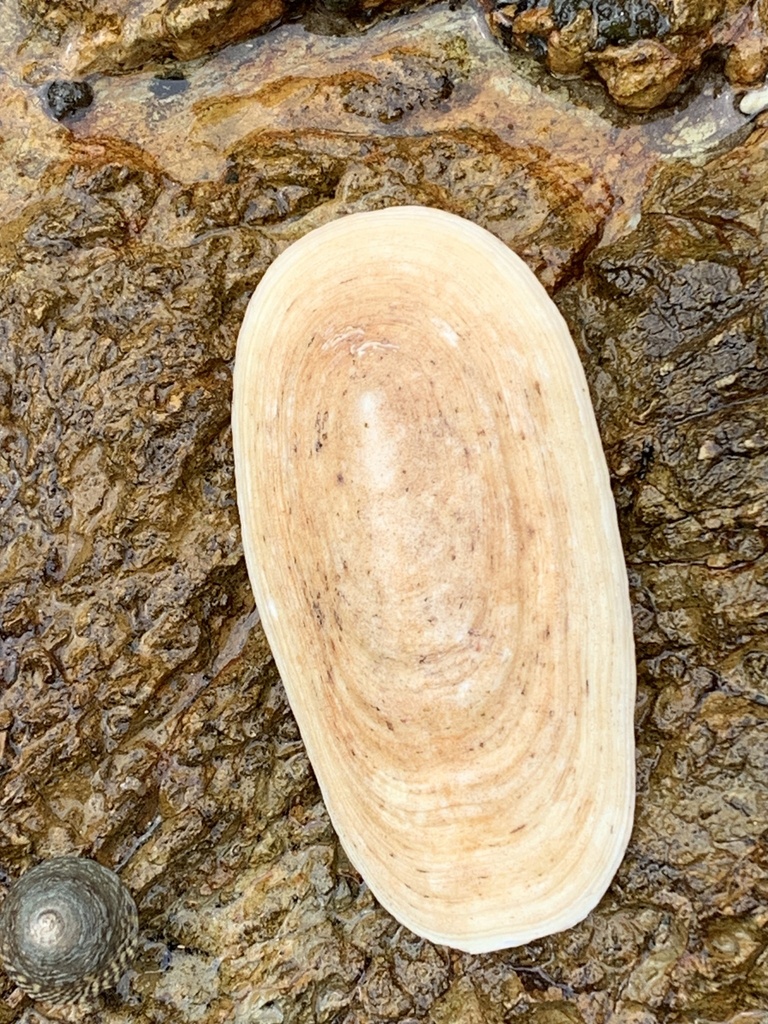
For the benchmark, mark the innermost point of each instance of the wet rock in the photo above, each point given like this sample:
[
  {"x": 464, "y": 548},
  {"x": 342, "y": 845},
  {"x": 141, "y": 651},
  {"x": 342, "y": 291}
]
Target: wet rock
[
  {"x": 398, "y": 91},
  {"x": 113, "y": 40},
  {"x": 401, "y": 114},
  {"x": 618, "y": 25},
  {"x": 141, "y": 717},
  {"x": 691, "y": 16},
  {"x": 65, "y": 98},
  {"x": 642, "y": 51},
  {"x": 168, "y": 84},
  {"x": 694, "y": 528},
  {"x": 82, "y": 37},
  {"x": 568, "y": 44},
  {"x": 640, "y": 77},
  {"x": 556, "y": 1013},
  {"x": 530, "y": 29},
  {"x": 747, "y": 62}
]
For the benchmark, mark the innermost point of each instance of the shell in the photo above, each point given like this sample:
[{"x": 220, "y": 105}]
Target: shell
[
  {"x": 68, "y": 930},
  {"x": 433, "y": 546}
]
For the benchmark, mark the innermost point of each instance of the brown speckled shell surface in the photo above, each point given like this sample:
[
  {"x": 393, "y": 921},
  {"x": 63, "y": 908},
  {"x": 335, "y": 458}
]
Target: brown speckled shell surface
[{"x": 432, "y": 542}]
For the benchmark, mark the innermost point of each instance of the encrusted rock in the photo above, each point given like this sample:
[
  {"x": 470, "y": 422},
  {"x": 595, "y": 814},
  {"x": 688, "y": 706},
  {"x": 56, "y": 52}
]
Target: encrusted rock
[
  {"x": 641, "y": 76},
  {"x": 568, "y": 45},
  {"x": 643, "y": 51},
  {"x": 81, "y": 37},
  {"x": 747, "y": 61},
  {"x": 140, "y": 715}
]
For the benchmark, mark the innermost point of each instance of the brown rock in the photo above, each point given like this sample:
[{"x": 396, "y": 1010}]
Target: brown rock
[
  {"x": 194, "y": 28},
  {"x": 747, "y": 62},
  {"x": 112, "y": 37},
  {"x": 640, "y": 76},
  {"x": 568, "y": 46},
  {"x": 642, "y": 51},
  {"x": 143, "y": 719},
  {"x": 695, "y": 15},
  {"x": 104, "y": 35},
  {"x": 537, "y": 21}
]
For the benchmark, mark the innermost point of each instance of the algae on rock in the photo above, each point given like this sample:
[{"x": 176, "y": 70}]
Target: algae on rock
[{"x": 141, "y": 719}]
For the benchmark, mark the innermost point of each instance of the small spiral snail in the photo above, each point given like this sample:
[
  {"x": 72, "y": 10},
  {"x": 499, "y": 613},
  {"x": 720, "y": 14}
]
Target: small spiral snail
[{"x": 68, "y": 930}]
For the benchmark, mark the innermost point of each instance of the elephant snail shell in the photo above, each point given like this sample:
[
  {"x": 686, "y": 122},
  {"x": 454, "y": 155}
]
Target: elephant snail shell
[{"x": 68, "y": 930}]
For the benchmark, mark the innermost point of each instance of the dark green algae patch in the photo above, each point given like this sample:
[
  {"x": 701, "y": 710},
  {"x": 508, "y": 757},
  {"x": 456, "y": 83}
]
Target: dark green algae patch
[{"x": 141, "y": 718}]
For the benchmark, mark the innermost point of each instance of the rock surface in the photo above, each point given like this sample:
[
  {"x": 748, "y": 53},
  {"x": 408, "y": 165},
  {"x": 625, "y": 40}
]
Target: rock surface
[
  {"x": 82, "y": 37},
  {"x": 645, "y": 51},
  {"x": 141, "y": 719}
]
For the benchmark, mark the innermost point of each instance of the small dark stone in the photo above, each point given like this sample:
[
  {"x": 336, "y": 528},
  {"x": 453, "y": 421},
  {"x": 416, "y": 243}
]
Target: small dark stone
[{"x": 65, "y": 98}]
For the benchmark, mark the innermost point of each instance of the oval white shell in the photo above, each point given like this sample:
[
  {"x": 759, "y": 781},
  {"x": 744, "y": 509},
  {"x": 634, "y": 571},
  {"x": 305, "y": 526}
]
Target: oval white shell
[{"x": 433, "y": 547}]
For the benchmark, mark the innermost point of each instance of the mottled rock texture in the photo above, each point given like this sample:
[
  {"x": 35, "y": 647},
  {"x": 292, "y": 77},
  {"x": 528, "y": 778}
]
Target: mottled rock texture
[
  {"x": 141, "y": 719},
  {"x": 645, "y": 51},
  {"x": 86, "y": 36}
]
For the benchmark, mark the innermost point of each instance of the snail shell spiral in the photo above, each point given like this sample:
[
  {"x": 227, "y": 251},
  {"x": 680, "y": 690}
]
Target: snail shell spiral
[{"x": 68, "y": 930}]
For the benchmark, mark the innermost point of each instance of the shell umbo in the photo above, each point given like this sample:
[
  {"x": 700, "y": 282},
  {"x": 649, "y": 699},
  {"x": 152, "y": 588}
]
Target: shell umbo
[{"x": 68, "y": 930}]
